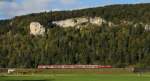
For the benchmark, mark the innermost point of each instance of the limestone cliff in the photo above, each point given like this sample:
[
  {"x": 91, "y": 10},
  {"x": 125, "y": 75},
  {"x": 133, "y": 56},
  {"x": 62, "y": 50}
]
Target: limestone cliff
[
  {"x": 36, "y": 28},
  {"x": 77, "y": 22}
]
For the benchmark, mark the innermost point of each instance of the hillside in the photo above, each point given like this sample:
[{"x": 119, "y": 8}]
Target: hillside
[{"x": 123, "y": 44}]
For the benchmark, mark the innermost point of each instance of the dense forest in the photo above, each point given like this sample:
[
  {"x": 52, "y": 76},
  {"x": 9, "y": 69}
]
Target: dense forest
[{"x": 123, "y": 45}]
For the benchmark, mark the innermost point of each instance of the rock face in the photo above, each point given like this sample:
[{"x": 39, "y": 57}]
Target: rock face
[
  {"x": 97, "y": 21},
  {"x": 36, "y": 28},
  {"x": 73, "y": 22}
]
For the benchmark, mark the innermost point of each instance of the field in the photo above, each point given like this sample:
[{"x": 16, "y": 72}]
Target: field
[{"x": 77, "y": 75}]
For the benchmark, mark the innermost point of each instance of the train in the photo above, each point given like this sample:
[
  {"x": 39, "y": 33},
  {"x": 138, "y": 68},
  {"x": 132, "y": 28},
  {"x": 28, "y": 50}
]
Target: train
[{"x": 73, "y": 66}]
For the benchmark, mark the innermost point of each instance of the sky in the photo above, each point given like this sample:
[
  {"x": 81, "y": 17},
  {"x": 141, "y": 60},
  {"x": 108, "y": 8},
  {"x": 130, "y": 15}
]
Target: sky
[{"x": 12, "y": 8}]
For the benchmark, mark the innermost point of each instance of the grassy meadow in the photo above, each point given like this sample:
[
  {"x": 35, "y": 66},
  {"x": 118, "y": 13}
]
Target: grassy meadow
[{"x": 76, "y": 75}]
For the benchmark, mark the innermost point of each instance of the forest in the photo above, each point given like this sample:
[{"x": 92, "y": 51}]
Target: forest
[{"x": 123, "y": 45}]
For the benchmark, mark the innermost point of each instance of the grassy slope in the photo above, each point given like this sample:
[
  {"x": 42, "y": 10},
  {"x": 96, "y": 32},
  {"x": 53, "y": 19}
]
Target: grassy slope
[
  {"x": 114, "y": 74},
  {"x": 81, "y": 77}
]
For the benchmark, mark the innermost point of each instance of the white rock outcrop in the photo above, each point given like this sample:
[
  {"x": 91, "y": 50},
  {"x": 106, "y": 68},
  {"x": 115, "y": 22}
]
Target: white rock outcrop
[
  {"x": 147, "y": 27},
  {"x": 97, "y": 21},
  {"x": 36, "y": 28},
  {"x": 73, "y": 22}
]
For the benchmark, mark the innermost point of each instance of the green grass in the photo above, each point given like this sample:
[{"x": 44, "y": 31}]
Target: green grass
[
  {"x": 113, "y": 74},
  {"x": 78, "y": 77},
  {"x": 25, "y": 78}
]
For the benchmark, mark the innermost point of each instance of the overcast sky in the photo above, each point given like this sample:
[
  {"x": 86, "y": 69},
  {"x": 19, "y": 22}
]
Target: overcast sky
[{"x": 11, "y": 8}]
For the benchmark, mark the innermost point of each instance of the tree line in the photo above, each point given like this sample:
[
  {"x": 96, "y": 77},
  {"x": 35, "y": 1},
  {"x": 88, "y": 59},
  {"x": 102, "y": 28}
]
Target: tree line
[{"x": 116, "y": 46}]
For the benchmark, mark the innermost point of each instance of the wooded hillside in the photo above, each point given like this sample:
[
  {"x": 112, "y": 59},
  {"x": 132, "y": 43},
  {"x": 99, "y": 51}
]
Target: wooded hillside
[{"x": 120, "y": 46}]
